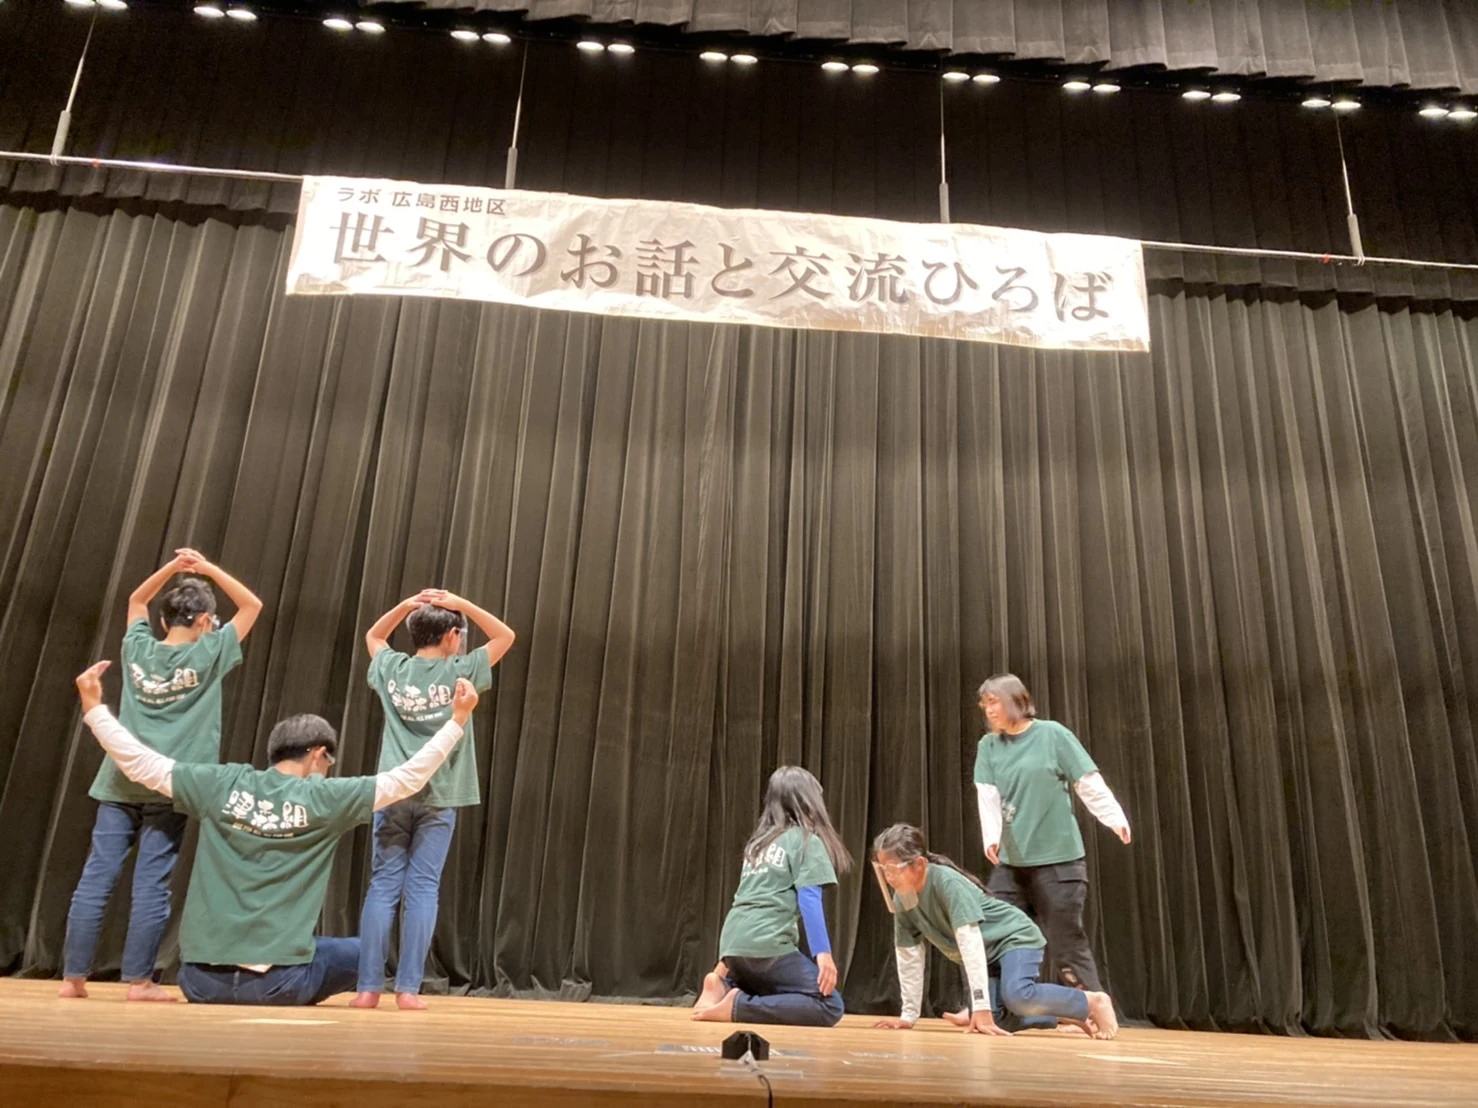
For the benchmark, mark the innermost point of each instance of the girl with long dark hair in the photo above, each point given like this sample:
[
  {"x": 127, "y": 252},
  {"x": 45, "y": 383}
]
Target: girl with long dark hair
[
  {"x": 934, "y": 901},
  {"x": 761, "y": 976}
]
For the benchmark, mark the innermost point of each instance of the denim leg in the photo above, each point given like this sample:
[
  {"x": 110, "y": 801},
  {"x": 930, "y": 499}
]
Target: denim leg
[
  {"x": 392, "y": 837},
  {"x": 782, "y": 990},
  {"x": 159, "y": 848},
  {"x": 203, "y": 984},
  {"x": 334, "y": 969},
  {"x": 113, "y": 833},
  {"x": 1024, "y": 994},
  {"x": 431, "y": 838}
]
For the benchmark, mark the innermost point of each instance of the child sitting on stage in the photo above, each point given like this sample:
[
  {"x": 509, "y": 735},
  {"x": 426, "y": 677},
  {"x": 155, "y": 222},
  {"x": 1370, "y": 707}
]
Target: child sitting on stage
[
  {"x": 932, "y": 899},
  {"x": 762, "y": 977}
]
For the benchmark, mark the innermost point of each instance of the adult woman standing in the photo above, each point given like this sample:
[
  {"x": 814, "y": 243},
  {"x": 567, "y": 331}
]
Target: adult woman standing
[{"x": 1026, "y": 770}]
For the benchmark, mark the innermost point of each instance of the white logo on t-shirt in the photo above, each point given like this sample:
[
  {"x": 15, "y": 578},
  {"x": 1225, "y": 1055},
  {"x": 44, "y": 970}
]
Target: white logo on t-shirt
[
  {"x": 774, "y": 855},
  {"x": 261, "y": 817},
  {"x": 156, "y": 691},
  {"x": 414, "y": 705}
]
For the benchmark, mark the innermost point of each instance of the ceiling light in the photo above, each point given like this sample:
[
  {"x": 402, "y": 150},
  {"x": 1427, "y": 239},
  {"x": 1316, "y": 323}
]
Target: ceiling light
[
  {"x": 1346, "y": 105},
  {"x": 590, "y": 46},
  {"x": 242, "y": 15},
  {"x": 835, "y": 67},
  {"x": 1226, "y": 97},
  {"x": 1462, "y": 115},
  {"x": 1316, "y": 102},
  {"x": 622, "y": 48},
  {"x": 744, "y": 59},
  {"x": 1434, "y": 111},
  {"x": 1195, "y": 94},
  {"x": 338, "y": 23},
  {"x": 713, "y": 56},
  {"x": 1105, "y": 87},
  {"x": 80, "y": 3},
  {"x": 113, "y": 5},
  {"x": 463, "y": 35},
  {"x": 955, "y": 75},
  {"x": 986, "y": 79},
  {"x": 370, "y": 27},
  {"x": 1076, "y": 86},
  {"x": 209, "y": 11},
  {"x": 497, "y": 38},
  {"x": 864, "y": 69}
]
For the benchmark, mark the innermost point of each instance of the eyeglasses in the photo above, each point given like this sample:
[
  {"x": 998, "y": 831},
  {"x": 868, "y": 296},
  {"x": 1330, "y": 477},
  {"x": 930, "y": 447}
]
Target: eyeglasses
[{"x": 329, "y": 758}]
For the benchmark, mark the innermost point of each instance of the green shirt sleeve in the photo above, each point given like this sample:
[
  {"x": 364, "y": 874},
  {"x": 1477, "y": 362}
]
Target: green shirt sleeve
[
  {"x": 376, "y": 675},
  {"x": 1072, "y": 759},
  {"x": 476, "y": 667},
  {"x": 983, "y": 775},
  {"x": 136, "y": 634},
  {"x": 904, "y": 932},
  {"x": 216, "y": 654},
  {"x": 346, "y": 801},
  {"x": 195, "y": 787},
  {"x": 812, "y": 865}
]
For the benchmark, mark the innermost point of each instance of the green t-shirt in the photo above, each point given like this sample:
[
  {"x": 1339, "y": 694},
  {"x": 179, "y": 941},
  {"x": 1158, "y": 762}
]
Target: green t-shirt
[
  {"x": 171, "y": 703},
  {"x": 763, "y": 923},
  {"x": 1035, "y": 772},
  {"x": 267, "y": 842},
  {"x": 417, "y": 696},
  {"x": 948, "y": 901}
]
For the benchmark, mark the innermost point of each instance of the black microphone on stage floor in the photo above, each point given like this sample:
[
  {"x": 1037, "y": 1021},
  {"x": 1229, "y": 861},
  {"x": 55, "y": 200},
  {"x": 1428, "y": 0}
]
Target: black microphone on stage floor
[{"x": 740, "y": 1043}]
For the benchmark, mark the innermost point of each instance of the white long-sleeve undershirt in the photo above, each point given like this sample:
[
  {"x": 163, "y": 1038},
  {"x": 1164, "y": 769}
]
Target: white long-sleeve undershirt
[
  {"x": 977, "y": 969},
  {"x": 155, "y": 771},
  {"x": 1099, "y": 799},
  {"x": 911, "y": 980}
]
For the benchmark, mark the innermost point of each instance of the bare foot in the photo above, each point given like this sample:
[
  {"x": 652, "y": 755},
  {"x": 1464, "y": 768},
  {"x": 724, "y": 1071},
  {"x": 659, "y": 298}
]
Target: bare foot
[
  {"x": 722, "y": 1012},
  {"x": 713, "y": 992},
  {"x": 1101, "y": 1015},
  {"x": 409, "y": 1002},
  {"x": 365, "y": 1000},
  {"x": 1067, "y": 1026},
  {"x": 959, "y": 1019},
  {"x": 147, "y": 990},
  {"x": 73, "y": 988}
]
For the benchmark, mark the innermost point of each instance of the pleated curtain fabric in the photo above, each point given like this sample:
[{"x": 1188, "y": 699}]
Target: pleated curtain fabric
[{"x": 1243, "y": 569}]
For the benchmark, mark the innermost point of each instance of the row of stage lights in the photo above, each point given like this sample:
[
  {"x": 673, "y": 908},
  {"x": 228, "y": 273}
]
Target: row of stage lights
[{"x": 1460, "y": 113}]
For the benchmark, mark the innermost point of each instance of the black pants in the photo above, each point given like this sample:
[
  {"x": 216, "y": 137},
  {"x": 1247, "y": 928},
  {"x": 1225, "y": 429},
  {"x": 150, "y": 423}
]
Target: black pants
[{"x": 1055, "y": 895}]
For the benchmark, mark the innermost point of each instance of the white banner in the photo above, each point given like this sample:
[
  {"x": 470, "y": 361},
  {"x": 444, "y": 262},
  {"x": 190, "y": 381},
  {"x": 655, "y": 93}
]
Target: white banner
[{"x": 661, "y": 260}]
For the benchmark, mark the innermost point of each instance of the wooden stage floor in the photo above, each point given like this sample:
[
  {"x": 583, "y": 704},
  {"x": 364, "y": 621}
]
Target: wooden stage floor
[{"x": 467, "y": 1051}]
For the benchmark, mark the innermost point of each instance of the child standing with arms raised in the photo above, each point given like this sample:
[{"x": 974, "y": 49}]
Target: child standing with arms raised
[
  {"x": 412, "y": 836},
  {"x": 172, "y": 703},
  {"x": 762, "y": 977}
]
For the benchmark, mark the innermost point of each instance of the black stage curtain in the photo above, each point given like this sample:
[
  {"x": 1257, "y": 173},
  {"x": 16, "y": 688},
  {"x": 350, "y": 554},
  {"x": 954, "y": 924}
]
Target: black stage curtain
[
  {"x": 1424, "y": 43},
  {"x": 1244, "y": 569}
]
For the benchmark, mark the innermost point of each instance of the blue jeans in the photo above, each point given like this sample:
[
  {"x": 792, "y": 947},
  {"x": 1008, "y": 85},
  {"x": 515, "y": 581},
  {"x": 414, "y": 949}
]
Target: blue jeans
[
  {"x": 157, "y": 828},
  {"x": 411, "y": 843},
  {"x": 333, "y": 970},
  {"x": 781, "y": 990},
  {"x": 1022, "y": 993}
]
